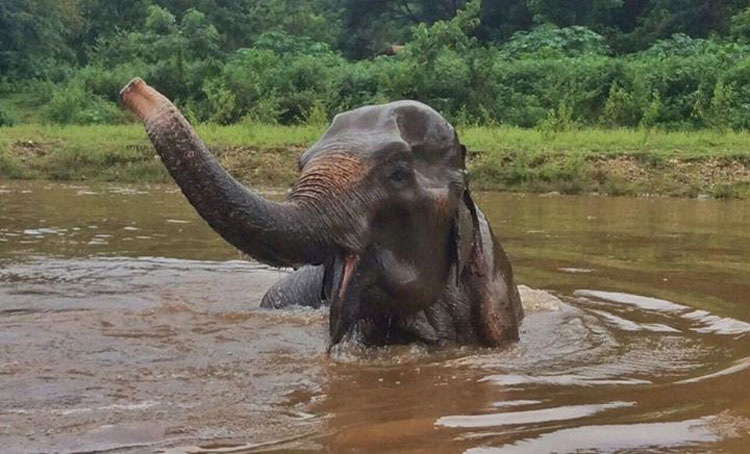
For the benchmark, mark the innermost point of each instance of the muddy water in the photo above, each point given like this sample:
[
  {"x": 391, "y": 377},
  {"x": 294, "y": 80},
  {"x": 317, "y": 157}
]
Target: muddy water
[{"x": 127, "y": 325}]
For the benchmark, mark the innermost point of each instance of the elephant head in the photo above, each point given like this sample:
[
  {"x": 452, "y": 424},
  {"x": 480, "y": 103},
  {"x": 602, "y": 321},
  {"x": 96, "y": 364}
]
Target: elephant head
[{"x": 381, "y": 205}]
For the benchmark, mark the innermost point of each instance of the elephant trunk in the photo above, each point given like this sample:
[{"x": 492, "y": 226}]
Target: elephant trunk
[{"x": 280, "y": 234}]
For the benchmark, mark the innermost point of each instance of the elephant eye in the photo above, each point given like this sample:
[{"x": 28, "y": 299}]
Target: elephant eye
[{"x": 399, "y": 175}]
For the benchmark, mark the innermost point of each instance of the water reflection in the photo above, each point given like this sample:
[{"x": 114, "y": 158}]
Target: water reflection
[
  {"x": 126, "y": 324},
  {"x": 654, "y": 437},
  {"x": 543, "y": 415}
]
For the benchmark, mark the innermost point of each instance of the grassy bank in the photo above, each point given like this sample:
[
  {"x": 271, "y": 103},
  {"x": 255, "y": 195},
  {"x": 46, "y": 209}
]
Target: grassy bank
[{"x": 616, "y": 162}]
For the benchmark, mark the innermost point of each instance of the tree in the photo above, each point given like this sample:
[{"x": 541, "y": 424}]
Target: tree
[
  {"x": 370, "y": 25},
  {"x": 740, "y": 26},
  {"x": 501, "y": 18},
  {"x": 564, "y": 13},
  {"x": 660, "y": 19},
  {"x": 33, "y": 36}
]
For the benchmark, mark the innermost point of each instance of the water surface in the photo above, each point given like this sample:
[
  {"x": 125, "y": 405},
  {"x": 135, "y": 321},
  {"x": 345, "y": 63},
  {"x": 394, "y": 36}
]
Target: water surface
[{"x": 126, "y": 324}]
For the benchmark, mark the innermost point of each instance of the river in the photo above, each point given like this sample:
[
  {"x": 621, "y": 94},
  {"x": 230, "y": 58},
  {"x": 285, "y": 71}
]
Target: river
[{"x": 127, "y": 325}]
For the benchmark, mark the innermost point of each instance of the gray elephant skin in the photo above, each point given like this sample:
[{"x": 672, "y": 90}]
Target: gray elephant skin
[{"x": 380, "y": 225}]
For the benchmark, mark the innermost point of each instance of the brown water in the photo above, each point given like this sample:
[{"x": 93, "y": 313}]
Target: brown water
[{"x": 127, "y": 325}]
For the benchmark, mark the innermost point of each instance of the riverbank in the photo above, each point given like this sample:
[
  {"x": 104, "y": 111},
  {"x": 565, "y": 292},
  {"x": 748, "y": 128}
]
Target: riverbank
[{"x": 611, "y": 162}]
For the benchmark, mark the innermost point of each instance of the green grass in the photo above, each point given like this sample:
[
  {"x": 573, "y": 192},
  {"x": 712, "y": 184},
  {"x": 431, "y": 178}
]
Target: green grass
[
  {"x": 683, "y": 144},
  {"x": 25, "y": 107},
  {"x": 616, "y": 162},
  {"x": 611, "y": 161}
]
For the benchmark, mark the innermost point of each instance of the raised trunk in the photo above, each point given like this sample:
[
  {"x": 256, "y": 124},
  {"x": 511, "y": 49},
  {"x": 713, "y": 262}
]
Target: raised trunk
[{"x": 281, "y": 234}]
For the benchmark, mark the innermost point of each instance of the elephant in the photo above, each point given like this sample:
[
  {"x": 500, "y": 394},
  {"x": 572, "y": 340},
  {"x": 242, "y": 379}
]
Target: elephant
[{"x": 380, "y": 225}]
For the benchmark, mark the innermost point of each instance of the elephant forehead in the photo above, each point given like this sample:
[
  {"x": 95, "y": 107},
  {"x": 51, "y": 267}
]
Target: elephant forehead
[{"x": 402, "y": 126}]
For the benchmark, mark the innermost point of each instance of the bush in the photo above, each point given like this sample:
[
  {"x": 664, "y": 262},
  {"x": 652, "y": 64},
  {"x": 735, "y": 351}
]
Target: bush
[
  {"x": 73, "y": 104},
  {"x": 740, "y": 26},
  {"x": 680, "y": 45},
  {"x": 222, "y": 103},
  {"x": 737, "y": 78},
  {"x": 7, "y": 118},
  {"x": 551, "y": 41},
  {"x": 621, "y": 108},
  {"x": 107, "y": 82}
]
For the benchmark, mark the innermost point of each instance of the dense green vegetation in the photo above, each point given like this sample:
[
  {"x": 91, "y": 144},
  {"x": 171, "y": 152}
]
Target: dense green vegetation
[{"x": 552, "y": 65}]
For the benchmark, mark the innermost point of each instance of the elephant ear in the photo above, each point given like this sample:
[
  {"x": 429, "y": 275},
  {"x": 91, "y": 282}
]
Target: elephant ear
[
  {"x": 486, "y": 274},
  {"x": 466, "y": 238}
]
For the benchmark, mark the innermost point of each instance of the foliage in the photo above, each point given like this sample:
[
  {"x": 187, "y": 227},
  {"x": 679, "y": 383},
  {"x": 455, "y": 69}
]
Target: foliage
[
  {"x": 33, "y": 38},
  {"x": 717, "y": 116},
  {"x": 680, "y": 45},
  {"x": 621, "y": 108},
  {"x": 550, "y": 65},
  {"x": 740, "y": 26},
  {"x": 73, "y": 104},
  {"x": 548, "y": 41},
  {"x": 6, "y": 116}
]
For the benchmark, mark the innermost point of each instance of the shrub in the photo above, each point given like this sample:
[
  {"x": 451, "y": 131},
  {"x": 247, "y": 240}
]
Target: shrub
[
  {"x": 222, "y": 103},
  {"x": 73, "y": 104},
  {"x": 7, "y": 118},
  {"x": 621, "y": 108},
  {"x": 738, "y": 78},
  {"x": 718, "y": 114},
  {"x": 550, "y": 41},
  {"x": 740, "y": 26},
  {"x": 651, "y": 113},
  {"x": 265, "y": 111},
  {"x": 680, "y": 45},
  {"x": 107, "y": 82}
]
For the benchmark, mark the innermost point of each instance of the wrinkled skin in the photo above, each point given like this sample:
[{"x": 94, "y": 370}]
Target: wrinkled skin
[{"x": 380, "y": 225}]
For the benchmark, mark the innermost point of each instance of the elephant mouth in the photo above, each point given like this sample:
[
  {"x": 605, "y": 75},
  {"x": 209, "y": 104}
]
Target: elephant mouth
[{"x": 345, "y": 304}]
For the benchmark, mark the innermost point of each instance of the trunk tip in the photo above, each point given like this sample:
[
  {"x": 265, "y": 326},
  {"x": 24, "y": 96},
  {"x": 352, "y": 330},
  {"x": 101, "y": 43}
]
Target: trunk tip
[
  {"x": 141, "y": 99},
  {"x": 132, "y": 85}
]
